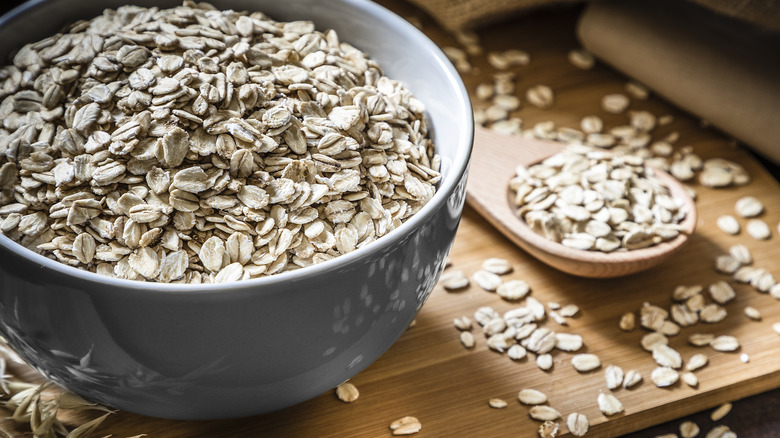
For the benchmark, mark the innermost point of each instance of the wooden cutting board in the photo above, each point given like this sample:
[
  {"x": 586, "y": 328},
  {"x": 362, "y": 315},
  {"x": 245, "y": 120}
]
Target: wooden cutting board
[{"x": 428, "y": 374}]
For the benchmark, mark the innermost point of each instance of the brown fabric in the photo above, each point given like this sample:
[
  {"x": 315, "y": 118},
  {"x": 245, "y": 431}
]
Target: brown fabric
[
  {"x": 724, "y": 71},
  {"x": 764, "y": 13},
  {"x": 466, "y": 14}
]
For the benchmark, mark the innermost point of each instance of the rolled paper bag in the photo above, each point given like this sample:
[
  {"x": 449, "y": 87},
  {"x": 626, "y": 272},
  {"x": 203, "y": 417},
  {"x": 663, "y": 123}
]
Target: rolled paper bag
[{"x": 722, "y": 70}]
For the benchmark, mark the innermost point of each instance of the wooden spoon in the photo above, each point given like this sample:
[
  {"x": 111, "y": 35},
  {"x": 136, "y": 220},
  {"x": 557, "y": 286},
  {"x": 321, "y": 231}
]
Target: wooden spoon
[{"x": 493, "y": 162}]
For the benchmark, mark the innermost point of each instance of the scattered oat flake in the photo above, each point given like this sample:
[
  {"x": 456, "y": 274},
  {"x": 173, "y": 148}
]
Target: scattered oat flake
[
  {"x": 713, "y": 313},
  {"x": 487, "y": 280},
  {"x": 720, "y": 412},
  {"x": 569, "y": 310},
  {"x": 689, "y": 379},
  {"x": 664, "y": 376},
  {"x": 722, "y": 292},
  {"x": 585, "y": 362},
  {"x": 684, "y": 314},
  {"x": 497, "y": 266},
  {"x": 544, "y": 361},
  {"x": 406, "y": 426},
  {"x": 454, "y": 279},
  {"x": 637, "y": 90},
  {"x": 544, "y": 413},
  {"x": 609, "y": 404},
  {"x": 548, "y": 429},
  {"x": 540, "y": 96},
  {"x": 753, "y": 313},
  {"x": 727, "y": 264},
  {"x": 670, "y": 329},
  {"x": 516, "y": 352},
  {"x": 582, "y": 59},
  {"x": 513, "y": 290},
  {"x": 725, "y": 343},
  {"x": 467, "y": 339},
  {"x": 701, "y": 339},
  {"x": 666, "y": 356},
  {"x": 555, "y": 316},
  {"x": 463, "y": 323},
  {"x": 497, "y": 342},
  {"x": 649, "y": 340},
  {"x": 741, "y": 253},
  {"x": 497, "y": 403},
  {"x": 631, "y": 379},
  {"x": 591, "y": 124},
  {"x": 748, "y": 206},
  {"x": 627, "y": 322},
  {"x": 689, "y": 429},
  {"x": 728, "y": 224},
  {"x": 720, "y": 431},
  {"x": 613, "y": 374},
  {"x": 531, "y": 397},
  {"x": 347, "y": 392},
  {"x": 614, "y": 103},
  {"x": 696, "y": 361},
  {"x": 776, "y": 327},
  {"x": 744, "y": 358},
  {"x": 578, "y": 424},
  {"x": 568, "y": 341},
  {"x": 758, "y": 229}
]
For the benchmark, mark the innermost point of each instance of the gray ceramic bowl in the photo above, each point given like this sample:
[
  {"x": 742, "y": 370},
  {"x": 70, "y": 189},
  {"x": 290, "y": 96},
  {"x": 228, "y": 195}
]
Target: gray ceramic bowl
[{"x": 218, "y": 351}]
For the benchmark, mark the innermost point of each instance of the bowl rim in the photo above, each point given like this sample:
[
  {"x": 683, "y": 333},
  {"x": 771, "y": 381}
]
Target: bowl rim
[{"x": 457, "y": 169}]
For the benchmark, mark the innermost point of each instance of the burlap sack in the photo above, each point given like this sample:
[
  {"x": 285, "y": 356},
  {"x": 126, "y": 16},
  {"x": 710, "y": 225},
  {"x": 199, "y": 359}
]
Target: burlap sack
[
  {"x": 724, "y": 71},
  {"x": 465, "y": 14}
]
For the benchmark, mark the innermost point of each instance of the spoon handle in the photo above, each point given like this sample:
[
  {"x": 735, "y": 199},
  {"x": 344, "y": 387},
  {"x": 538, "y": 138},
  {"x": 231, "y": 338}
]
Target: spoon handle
[{"x": 493, "y": 162}]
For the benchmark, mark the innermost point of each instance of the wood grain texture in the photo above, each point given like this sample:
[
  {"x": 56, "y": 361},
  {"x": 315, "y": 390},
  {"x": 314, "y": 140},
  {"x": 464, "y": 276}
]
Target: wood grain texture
[
  {"x": 428, "y": 374},
  {"x": 493, "y": 162}
]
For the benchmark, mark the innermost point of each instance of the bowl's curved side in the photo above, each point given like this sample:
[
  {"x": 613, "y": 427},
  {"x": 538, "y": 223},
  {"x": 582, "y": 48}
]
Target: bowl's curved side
[
  {"x": 259, "y": 345},
  {"x": 203, "y": 358}
]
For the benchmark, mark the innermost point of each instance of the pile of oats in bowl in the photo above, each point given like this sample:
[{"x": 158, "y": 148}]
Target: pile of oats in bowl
[{"x": 197, "y": 145}]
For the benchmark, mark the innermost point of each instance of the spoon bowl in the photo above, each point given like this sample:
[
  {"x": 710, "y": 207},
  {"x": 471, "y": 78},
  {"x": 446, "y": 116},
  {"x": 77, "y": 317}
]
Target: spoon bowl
[{"x": 493, "y": 162}]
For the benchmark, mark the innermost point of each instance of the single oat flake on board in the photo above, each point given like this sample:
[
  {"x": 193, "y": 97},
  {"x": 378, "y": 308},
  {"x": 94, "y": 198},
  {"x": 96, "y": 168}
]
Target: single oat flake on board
[
  {"x": 406, "y": 426},
  {"x": 758, "y": 229},
  {"x": 725, "y": 343},
  {"x": 585, "y": 362},
  {"x": 613, "y": 375},
  {"x": 548, "y": 429},
  {"x": 544, "y": 413},
  {"x": 578, "y": 424},
  {"x": 487, "y": 280},
  {"x": 454, "y": 280},
  {"x": 614, "y": 103},
  {"x": 497, "y": 403},
  {"x": 544, "y": 361},
  {"x": 631, "y": 379},
  {"x": 664, "y": 376},
  {"x": 497, "y": 266},
  {"x": 531, "y": 397},
  {"x": 609, "y": 404},
  {"x": 347, "y": 392},
  {"x": 728, "y": 224}
]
